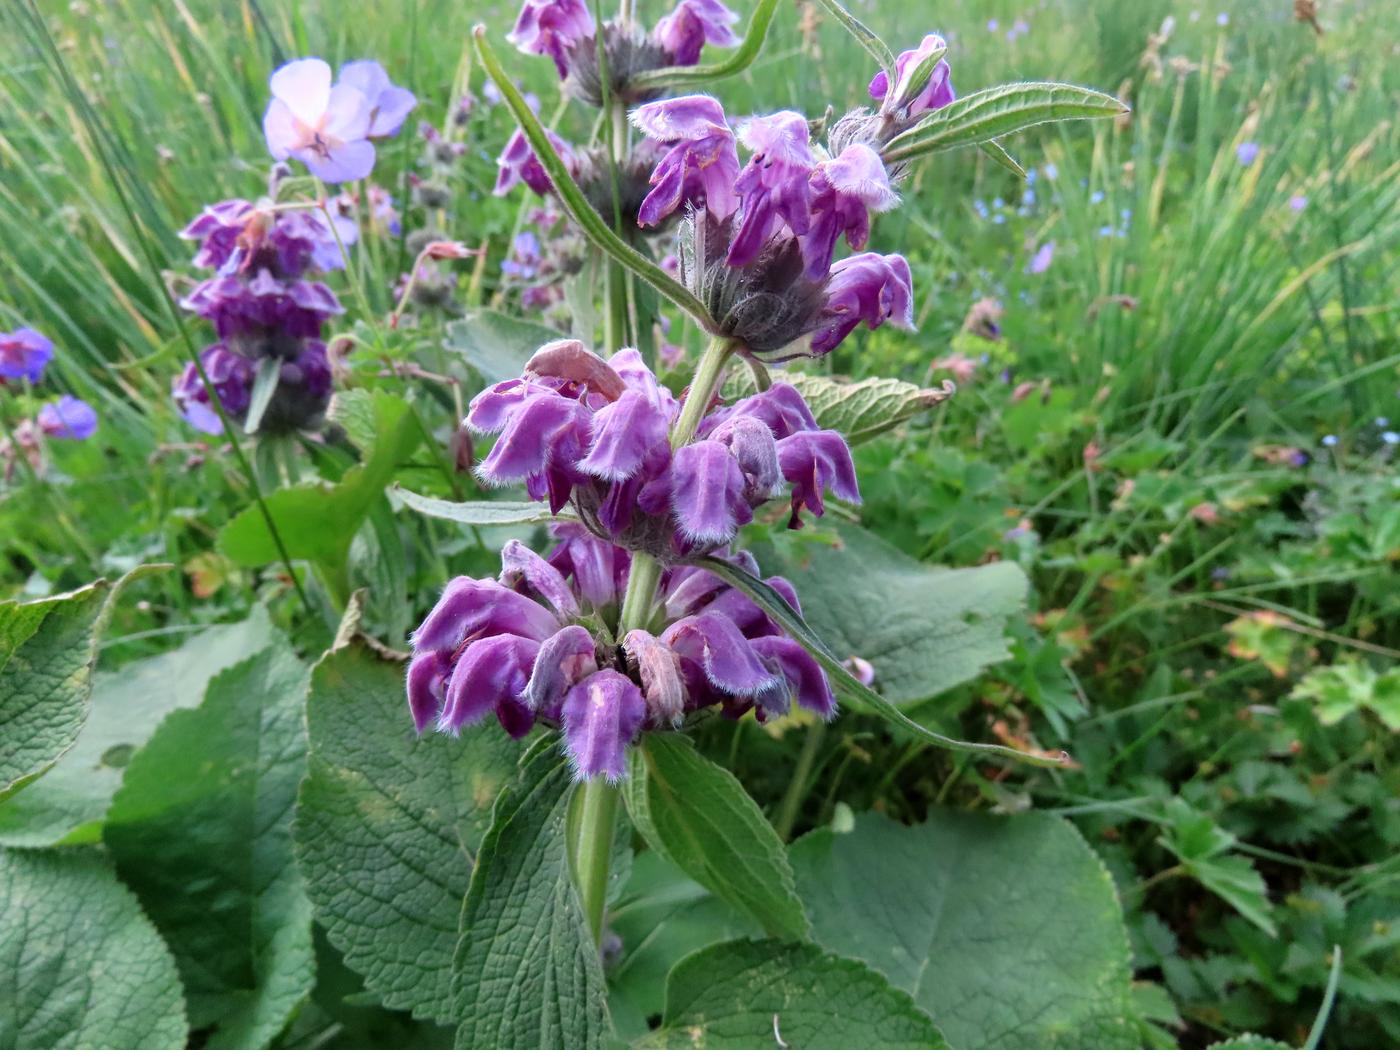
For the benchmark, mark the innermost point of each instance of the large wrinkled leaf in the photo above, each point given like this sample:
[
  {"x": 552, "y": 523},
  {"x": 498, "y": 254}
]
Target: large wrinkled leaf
[
  {"x": 201, "y": 830},
  {"x": 527, "y": 975},
  {"x": 388, "y": 825},
  {"x": 479, "y": 513},
  {"x": 998, "y": 111},
  {"x": 859, "y": 410},
  {"x": 746, "y": 994},
  {"x": 925, "y": 628},
  {"x": 48, "y": 650},
  {"x": 1005, "y": 929},
  {"x": 496, "y": 345},
  {"x": 80, "y": 967},
  {"x": 67, "y": 804},
  {"x": 317, "y": 521},
  {"x": 700, "y": 816}
]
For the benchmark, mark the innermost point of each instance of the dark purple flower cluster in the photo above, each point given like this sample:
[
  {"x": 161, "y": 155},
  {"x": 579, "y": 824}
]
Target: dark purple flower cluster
[
  {"x": 262, "y": 306},
  {"x": 576, "y": 428},
  {"x": 539, "y": 644}
]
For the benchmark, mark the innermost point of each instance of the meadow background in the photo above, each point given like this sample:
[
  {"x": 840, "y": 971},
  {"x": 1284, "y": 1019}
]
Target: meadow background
[{"x": 1186, "y": 433}]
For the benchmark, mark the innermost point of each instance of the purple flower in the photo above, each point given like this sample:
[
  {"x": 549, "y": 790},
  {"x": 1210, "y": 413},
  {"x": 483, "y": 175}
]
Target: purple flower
[
  {"x": 518, "y": 164},
  {"x": 68, "y": 418},
  {"x": 844, "y": 191},
  {"x": 552, "y": 27},
  {"x": 1297, "y": 203},
  {"x": 701, "y": 163},
  {"x": 1246, "y": 153},
  {"x": 601, "y": 716},
  {"x": 232, "y": 377},
  {"x": 868, "y": 287},
  {"x": 813, "y": 461},
  {"x": 390, "y": 105},
  {"x": 692, "y": 25},
  {"x": 24, "y": 354},
  {"x": 774, "y": 186},
  {"x": 936, "y": 94},
  {"x": 324, "y": 127},
  {"x": 1043, "y": 257}
]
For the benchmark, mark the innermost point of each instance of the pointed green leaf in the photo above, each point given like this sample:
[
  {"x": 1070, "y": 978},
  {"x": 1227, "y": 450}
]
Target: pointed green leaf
[
  {"x": 996, "y": 112},
  {"x": 699, "y": 815},
  {"x": 496, "y": 345},
  {"x": 998, "y": 154},
  {"x": 1007, "y": 930},
  {"x": 80, "y": 966},
  {"x": 527, "y": 975},
  {"x": 742, "y": 995},
  {"x": 410, "y": 812},
  {"x": 264, "y": 386},
  {"x": 201, "y": 830},
  {"x": 859, "y": 410},
  {"x": 480, "y": 513}
]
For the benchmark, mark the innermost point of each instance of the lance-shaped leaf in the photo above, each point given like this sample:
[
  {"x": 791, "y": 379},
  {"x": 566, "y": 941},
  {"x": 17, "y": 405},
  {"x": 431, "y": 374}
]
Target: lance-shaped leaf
[
  {"x": 264, "y": 386},
  {"x": 739, "y": 59},
  {"x": 996, "y": 112},
  {"x": 479, "y": 513},
  {"x": 527, "y": 974},
  {"x": 80, "y": 966},
  {"x": 997, "y": 152},
  {"x": 410, "y": 812},
  {"x": 1006, "y": 930},
  {"x": 496, "y": 345},
  {"x": 571, "y": 198},
  {"x": 201, "y": 830},
  {"x": 776, "y": 606},
  {"x": 864, "y": 36},
  {"x": 859, "y": 410},
  {"x": 318, "y": 521},
  {"x": 744, "y": 994},
  {"x": 48, "y": 650},
  {"x": 699, "y": 815}
]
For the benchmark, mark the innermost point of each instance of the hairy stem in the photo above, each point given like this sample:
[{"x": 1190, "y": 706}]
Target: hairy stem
[
  {"x": 708, "y": 374},
  {"x": 597, "y": 813}
]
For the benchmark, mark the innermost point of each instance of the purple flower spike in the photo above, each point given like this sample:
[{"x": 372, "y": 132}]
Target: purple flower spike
[
  {"x": 232, "y": 377},
  {"x": 390, "y": 104},
  {"x": 844, "y": 192},
  {"x": 490, "y": 676},
  {"x": 324, "y": 127},
  {"x": 599, "y": 569},
  {"x": 659, "y": 670},
  {"x": 868, "y": 287},
  {"x": 563, "y": 661},
  {"x": 707, "y": 493},
  {"x": 813, "y": 461},
  {"x": 807, "y": 681},
  {"x": 601, "y": 716},
  {"x": 625, "y": 434},
  {"x": 469, "y": 608},
  {"x": 936, "y": 94},
  {"x": 552, "y": 27},
  {"x": 68, "y": 418},
  {"x": 544, "y": 422},
  {"x": 519, "y": 564},
  {"x": 701, "y": 164},
  {"x": 518, "y": 164},
  {"x": 774, "y": 186},
  {"x": 692, "y": 25},
  {"x": 24, "y": 354}
]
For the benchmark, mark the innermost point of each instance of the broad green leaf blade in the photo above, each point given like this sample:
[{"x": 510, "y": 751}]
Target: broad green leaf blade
[
  {"x": 746, "y": 994},
  {"x": 411, "y": 811},
  {"x": 859, "y": 410},
  {"x": 48, "y": 650},
  {"x": 318, "y": 521},
  {"x": 527, "y": 975},
  {"x": 479, "y": 513},
  {"x": 496, "y": 345},
  {"x": 925, "y": 628},
  {"x": 80, "y": 966},
  {"x": 68, "y": 803},
  {"x": 264, "y": 386},
  {"x": 201, "y": 830},
  {"x": 776, "y": 606},
  {"x": 660, "y": 917},
  {"x": 699, "y": 815},
  {"x": 864, "y": 36},
  {"x": 1006, "y": 930},
  {"x": 996, "y": 112}
]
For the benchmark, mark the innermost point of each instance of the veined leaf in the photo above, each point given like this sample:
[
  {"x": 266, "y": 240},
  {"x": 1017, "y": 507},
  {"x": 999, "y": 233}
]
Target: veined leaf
[
  {"x": 481, "y": 513},
  {"x": 699, "y": 815},
  {"x": 996, "y": 112},
  {"x": 496, "y": 345},
  {"x": 860, "y": 410}
]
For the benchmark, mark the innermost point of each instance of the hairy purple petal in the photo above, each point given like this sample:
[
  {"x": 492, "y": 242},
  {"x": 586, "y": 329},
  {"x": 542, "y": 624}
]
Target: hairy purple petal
[
  {"x": 599, "y": 570},
  {"x": 701, "y": 163},
  {"x": 693, "y": 24},
  {"x": 601, "y": 716},
  {"x": 469, "y": 608},
  {"x": 774, "y": 187},
  {"x": 715, "y": 644},
  {"x": 936, "y": 94},
  {"x": 625, "y": 434},
  {"x": 518, "y": 163},
  {"x": 491, "y": 675},
  {"x": 707, "y": 493},
  {"x": 781, "y": 408},
  {"x": 563, "y": 660},
  {"x": 844, "y": 191},
  {"x": 659, "y": 669},
  {"x": 427, "y": 684},
  {"x": 545, "y": 427},
  {"x": 552, "y": 27},
  {"x": 804, "y": 676},
  {"x": 520, "y": 564},
  {"x": 813, "y": 461},
  {"x": 870, "y": 288}
]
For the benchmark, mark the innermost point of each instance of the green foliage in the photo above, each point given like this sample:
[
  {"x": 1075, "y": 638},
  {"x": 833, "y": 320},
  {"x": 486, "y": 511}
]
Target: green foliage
[
  {"x": 495, "y": 345},
  {"x": 860, "y": 410}
]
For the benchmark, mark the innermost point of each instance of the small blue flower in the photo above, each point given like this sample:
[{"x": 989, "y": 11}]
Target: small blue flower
[
  {"x": 1246, "y": 153},
  {"x": 1329, "y": 441},
  {"x": 1390, "y": 437},
  {"x": 1382, "y": 421},
  {"x": 1096, "y": 197},
  {"x": 1051, "y": 171},
  {"x": 1222, "y": 19}
]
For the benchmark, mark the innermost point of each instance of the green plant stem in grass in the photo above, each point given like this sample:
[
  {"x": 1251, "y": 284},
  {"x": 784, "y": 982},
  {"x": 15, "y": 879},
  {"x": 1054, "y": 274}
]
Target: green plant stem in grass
[
  {"x": 797, "y": 786},
  {"x": 39, "y": 29}
]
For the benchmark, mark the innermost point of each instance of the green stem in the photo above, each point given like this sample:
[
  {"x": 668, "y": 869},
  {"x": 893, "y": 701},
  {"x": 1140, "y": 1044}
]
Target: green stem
[
  {"x": 797, "y": 786},
  {"x": 597, "y": 812},
  {"x": 707, "y": 378}
]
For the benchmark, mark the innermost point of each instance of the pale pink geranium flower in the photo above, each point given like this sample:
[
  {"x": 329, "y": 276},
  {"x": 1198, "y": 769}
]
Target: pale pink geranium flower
[
  {"x": 324, "y": 127},
  {"x": 390, "y": 104}
]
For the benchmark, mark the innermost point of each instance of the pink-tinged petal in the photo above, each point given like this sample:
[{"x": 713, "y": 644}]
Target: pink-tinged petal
[
  {"x": 391, "y": 110},
  {"x": 715, "y": 644},
  {"x": 815, "y": 461},
  {"x": 348, "y": 114},
  {"x": 624, "y": 435},
  {"x": 427, "y": 685},
  {"x": 366, "y": 76},
  {"x": 859, "y": 172},
  {"x": 305, "y": 87},
  {"x": 344, "y": 163},
  {"x": 691, "y": 117},
  {"x": 469, "y": 608},
  {"x": 520, "y": 564},
  {"x": 601, "y": 716},
  {"x": 281, "y": 130},
  {"x": 707, "y": 492},
  {"x": 781, "y": 138},
  {"x": 492, "y": 673},
  {"x": 660, "y": 671},
  {"x": 69, "y": 419},
  {"x": 804, "y": 676},
  {"x": 563, "y": 661}
]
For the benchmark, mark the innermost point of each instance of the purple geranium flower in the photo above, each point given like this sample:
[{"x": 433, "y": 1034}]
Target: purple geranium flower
[
  {"x": 68, "y": 418},
  {"x": 844, "y": 192},
  {"x": 871, "y": 288},
  {"x": 1041, "y": 260},
  {"x": 692, "y": 25},
  {"x": 390, "y": 104},
  {"x": 701, "y": 163},
  {"x": 24, "y": 354},
  {"x": 936, "y": 94},
  {"x": 326, "y": 128},
  {"x": 552, "y": 27},
  {"x": 774, "y": 186}
]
